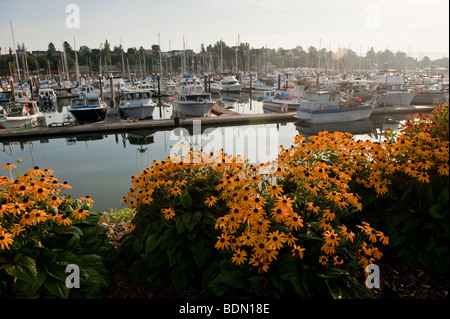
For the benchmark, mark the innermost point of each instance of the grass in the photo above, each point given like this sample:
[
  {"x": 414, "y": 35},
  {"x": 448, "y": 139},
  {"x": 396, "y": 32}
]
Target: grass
[{"x": 117, "y": 215}]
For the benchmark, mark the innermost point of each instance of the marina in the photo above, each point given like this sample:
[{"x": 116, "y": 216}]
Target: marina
[{"x": 98, "y": 159}]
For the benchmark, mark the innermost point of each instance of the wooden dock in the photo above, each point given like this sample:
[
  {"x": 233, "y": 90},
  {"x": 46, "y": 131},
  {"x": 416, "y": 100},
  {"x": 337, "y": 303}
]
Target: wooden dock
[{"x": 224, "y": 117}]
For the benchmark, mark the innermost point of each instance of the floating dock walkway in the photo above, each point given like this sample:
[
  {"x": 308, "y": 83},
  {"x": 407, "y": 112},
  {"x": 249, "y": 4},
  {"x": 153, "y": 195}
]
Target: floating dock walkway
[{"x": 223, "y": 117}]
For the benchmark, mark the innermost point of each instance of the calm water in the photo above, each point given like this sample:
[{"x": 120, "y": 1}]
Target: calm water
[{"x": 102, "y": 166}]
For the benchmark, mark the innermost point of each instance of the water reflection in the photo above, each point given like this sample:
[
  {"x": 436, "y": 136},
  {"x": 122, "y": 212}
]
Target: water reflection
[{"x": 101, "y": 166}]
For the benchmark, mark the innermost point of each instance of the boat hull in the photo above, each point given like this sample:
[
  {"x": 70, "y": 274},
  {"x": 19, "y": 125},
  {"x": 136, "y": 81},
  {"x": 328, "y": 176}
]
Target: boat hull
[
  {"x": 20, "y": 121},
  {"x": 193, "y": 108},
  {"x": 137, "y": 111},
  {"x": 231, "y": 88},
  {"x": 429, "y": 98},
  {"x": 89, "y": 114},
  {"x": 280, "y": 107},
  {"x": 335, "y": 115},
  {"x": 397, "y": 98}
]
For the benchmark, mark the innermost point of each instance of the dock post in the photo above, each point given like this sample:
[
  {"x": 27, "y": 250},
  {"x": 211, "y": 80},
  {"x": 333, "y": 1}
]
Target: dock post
[
  {"x": 111, "y": 84},
  {"x": 13, "y": 93},
  {"x": 159, "y": 85},
  {"x": 279, "y": 81}
]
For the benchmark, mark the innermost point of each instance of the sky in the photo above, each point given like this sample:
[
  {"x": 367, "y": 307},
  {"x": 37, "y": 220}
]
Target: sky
[{"x": 416, "y": 27}]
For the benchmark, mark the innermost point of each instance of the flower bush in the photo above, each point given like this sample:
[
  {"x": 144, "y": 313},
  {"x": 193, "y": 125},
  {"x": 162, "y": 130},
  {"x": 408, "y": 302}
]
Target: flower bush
[
  {"x": 41, "y": 232},
  {"x": 307, "y": 224}
]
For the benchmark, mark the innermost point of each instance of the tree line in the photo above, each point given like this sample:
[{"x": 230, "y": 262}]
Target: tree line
[{"x": 214, "y": 58}]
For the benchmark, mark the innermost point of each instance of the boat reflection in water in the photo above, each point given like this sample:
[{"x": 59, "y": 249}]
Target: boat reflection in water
[{"x": 360, "y": 127}]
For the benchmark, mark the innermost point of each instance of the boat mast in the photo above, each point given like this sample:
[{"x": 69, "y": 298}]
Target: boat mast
[
  {"x": 15, "y": 50},
  {"x": 123, "y": 62},
  {"x": 77, "y": 68},
  {"x": 160, "y": 60}
]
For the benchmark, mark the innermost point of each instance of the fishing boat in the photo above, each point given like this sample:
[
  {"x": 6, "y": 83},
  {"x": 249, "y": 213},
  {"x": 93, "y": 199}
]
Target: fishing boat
[
  {"x": 136, "y": 104},
  {"x": 230, "y": 84},
  {"x": 429, "y": 94},
  {"x": 328, "y": 107},
  {"x": 19, "y": 114},
  {"x": 261, "y": 86},
  {"x": 213, "y": 86},
  {"x": 88, "y": 109},
  {"x": 47, "y": 98},
  {"x": 190, "y": 97},
  {"x": 392, "y": 87},
  {"x": 282, "y": 101}
]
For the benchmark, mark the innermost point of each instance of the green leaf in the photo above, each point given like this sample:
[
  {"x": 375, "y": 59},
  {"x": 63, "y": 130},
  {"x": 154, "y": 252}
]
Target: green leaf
[
  {"x": 191, "y": 219},
  {"x": 57, "y": 288},
  {"x": 73, "y": 242},
  {"x": 234, "y": 278},
  {"x": 178, "y": 279},
  {"x": 436, "y": 211},
  {"x": 186, "y": 199},
  {"x": 152, "y": 242},
  {"x": 138, "y": 272},
  {"x": 56, "y": 271},
  {"x": 23, "y": 268}
]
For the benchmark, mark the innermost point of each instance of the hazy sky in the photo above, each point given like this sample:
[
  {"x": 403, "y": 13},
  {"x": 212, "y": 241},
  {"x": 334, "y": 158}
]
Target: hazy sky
[{"x": 405, "y": 25}]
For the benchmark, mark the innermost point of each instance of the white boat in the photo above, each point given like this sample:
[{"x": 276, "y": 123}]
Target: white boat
[
  {"x": 230, "y": 84},
  {"x": 261, "y": 86},
  {"x": 282, "y": 101},
  {"x": 136, "y": 104},
  {"x": 429, "y": 94},
  {"x": 118, "y": 85},
  {"x": 191, "y": 98},
  {"x": 88, "y": 110},
  {"x": 213, "y": 86},
  {"x": 20, "y": 113},
  {"x": 327, "y": 107},
  {"x": 392, "y": 87},
  {"x": 47, "y": 97}
]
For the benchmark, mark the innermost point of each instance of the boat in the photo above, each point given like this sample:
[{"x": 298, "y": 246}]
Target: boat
[
  {"x": 230, "y": 84},
  {"x": 429, "y": 95},
  {"x": 392, "y": 87},
  {"x": 190, "y": 97},
  {"x": 328, "y": 107},
  {"x": 213, "y": 86},
  {"x": 282, "y": 101},
  {"x": 47, "y": 98},
  {"x": 261, "y": 86},
  {"x": 19, "y": 114},
  {"x": 88, "y": 109},
  {"x": 137, "y": 104}
]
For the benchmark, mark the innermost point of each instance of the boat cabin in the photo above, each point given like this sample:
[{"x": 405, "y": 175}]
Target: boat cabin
[{"x": 321, "y": 100}]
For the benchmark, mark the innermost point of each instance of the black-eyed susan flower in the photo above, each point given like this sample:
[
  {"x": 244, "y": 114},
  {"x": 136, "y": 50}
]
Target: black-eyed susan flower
[
  {"x": 239, "y": 256},
  {"x": 275, "y": 190},
  {"x": 211, "y": 201},
  {"x": 9, "y": 166},
  {"x": 38, "y": 215},
  {"x": 290, "y": 240},
  {"x": 168, "y": 213},
  {"x": 16, "y": 229},
  {"x": 331, "y": 238},
  {"x": 87, "y": 199},
  {"x": 347, "y": 233},
  {"x": 297, "y": 252},
  {"x": 5, "y": 239},
  {"x": 80, "y": 214},
  {"x": 130, "y": 228},
  {"x": 63, "y": 220},
  {"x": 323, "y": 260},
  {"x": 337, "y": 261},
  {"x": 294, "y": 221},
  {"x": 54, "y": 201},
  {"x": 223, "y": 242},
  {"x": 276, "y": 240}
]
